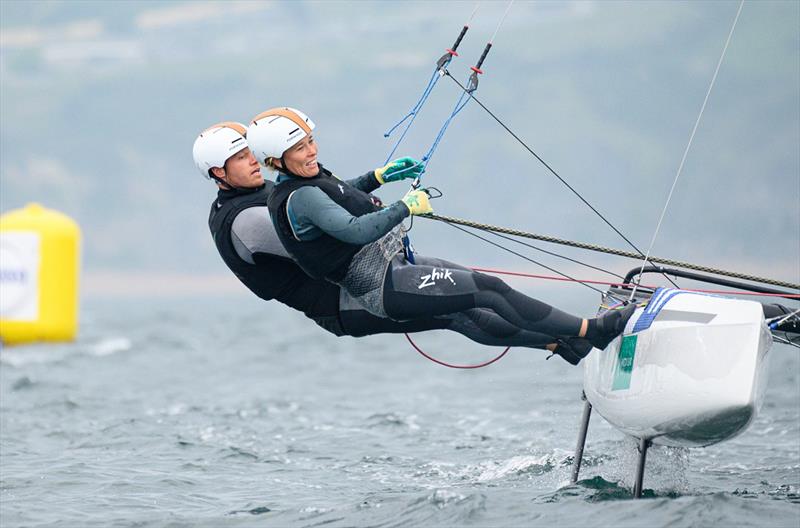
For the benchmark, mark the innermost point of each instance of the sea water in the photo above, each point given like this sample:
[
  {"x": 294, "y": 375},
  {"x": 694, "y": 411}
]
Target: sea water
[{"x": 242, "y": 413}]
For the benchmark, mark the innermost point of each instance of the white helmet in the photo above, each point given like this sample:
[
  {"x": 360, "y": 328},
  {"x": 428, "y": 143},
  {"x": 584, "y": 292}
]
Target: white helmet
[
  {"x": 273, "y": 132},
  {"x": 216, "y": 144}
]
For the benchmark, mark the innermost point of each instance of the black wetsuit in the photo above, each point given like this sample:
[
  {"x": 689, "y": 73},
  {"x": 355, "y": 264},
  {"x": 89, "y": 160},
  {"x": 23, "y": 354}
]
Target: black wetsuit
[
  {"x": 301, "y": 208},
  {"x": 248, "y": 244}
]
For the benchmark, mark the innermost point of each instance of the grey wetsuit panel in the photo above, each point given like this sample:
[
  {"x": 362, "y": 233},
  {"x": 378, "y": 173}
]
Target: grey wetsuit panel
[
  {"x": 366, "y": 274},
  {"x": 253, "y": 232}
]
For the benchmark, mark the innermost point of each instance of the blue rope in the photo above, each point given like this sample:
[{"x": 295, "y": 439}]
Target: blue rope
[
  {"x": 460, "y": 104},
  {"x": 437, "y": 74},
  {"x": 413, "y": 113},
  {"x": 409, "y": 252}
]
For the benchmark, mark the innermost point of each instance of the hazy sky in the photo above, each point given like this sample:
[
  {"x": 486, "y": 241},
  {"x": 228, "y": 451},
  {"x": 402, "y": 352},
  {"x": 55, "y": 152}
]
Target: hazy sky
[{"x": 101, "y": 102}]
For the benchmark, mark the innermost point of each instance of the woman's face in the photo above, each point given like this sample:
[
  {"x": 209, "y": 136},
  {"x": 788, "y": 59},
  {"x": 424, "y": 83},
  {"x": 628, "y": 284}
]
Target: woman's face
[{"x": 301, "y": 159}]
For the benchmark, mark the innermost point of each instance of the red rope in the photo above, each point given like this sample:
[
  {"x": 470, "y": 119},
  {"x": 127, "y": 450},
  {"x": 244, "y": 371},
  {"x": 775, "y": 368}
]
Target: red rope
[
  {"x": 550, "y": 277},
  {"x": 450, "y": 365}
]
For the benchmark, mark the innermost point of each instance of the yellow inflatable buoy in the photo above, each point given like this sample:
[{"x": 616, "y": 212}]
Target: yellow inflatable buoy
[{"x": 39, "y": 266}]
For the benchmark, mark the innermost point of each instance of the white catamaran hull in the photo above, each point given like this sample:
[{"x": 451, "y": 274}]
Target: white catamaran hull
[{"x": 689, "y": 370}]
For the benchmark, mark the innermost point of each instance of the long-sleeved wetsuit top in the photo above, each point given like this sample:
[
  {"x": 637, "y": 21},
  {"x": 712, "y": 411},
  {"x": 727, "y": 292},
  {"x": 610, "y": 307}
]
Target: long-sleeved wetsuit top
[{"x": 312, "y": 212}]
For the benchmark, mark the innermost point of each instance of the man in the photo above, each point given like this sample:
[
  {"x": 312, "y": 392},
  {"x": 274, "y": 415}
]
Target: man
[{"x": 248, "y": 244}]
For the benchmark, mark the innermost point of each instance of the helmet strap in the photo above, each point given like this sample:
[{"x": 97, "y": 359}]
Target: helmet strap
[
  {"x": 222, "y": 182},
  {"x": 225, "y": 184}
]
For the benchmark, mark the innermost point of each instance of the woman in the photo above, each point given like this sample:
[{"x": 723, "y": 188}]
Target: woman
[{"x": 336, "y": 231}]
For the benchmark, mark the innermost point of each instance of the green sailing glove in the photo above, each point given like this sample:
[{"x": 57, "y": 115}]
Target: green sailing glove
[
  {"x": 417, "y": 202},
  {"x": 399, "y": 169}
]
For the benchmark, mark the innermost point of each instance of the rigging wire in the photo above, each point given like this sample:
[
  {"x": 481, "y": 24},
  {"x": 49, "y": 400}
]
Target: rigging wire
[
  {"x": 524, "y": 257},
  {"x": 413, "y": 114},
  {"x": 774, "y": 324},
  {"x": 502, "y": 19},
  {"x": 791, "y": 296},
  {"x": 437, "y": 74},
  {"x": 546, "y": 165},
  {"x": 689, "y": 144},
  {"x": 460, "y": 104},
  {"x": 785, "y": 341},
  {"x": 463, "y": 98},
  {"x": 554, "y": 254},
  {"x": 610, "y": 251}
]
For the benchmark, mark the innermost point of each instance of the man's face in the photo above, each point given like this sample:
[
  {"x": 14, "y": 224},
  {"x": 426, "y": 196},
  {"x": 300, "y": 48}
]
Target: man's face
[
  {"x": 301, "y": 159},
  {"x": 241, "y": 170}
]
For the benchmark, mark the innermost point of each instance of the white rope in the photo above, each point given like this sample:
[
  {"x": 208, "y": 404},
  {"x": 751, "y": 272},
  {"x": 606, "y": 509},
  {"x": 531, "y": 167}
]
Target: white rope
[
  {"x": 688, "y": 146},
  {"x": 786, "y": 318},
  {"x": 491, "y": 40},
  {"x": 785, "y": 341}
]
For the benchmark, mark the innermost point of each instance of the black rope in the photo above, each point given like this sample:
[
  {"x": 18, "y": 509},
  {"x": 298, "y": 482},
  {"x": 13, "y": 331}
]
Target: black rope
[
  {"x": 531, "y": 260},
  {"x": 526, "y": 244},
  {"x": 594, "y": 247},
  {"x": 554, "y": 254},
  {"x": 562, "y": 180},
  {"x": 570, "y": 187}
]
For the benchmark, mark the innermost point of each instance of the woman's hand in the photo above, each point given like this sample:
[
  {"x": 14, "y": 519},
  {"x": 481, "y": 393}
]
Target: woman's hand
[
  {"x": 417, "y": 202},
  {"x": 399, "y": 169}
]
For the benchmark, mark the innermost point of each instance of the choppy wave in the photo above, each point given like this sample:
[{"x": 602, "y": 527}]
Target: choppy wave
[
  {"x": 155, "y": 424},
  {"x": 19, "y": 356}
]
